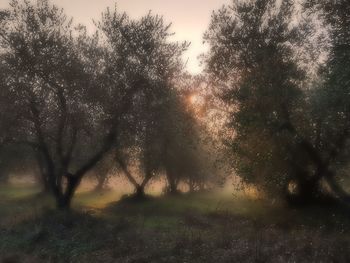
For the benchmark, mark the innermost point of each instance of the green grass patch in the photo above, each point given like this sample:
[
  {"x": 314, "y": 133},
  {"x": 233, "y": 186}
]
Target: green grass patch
[
  {"x": 203, "y": 227},
  {"x": 13, "y": 192}
]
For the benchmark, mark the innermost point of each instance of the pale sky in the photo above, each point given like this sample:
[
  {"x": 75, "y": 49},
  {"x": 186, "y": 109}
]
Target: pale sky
[{"x": 190, "y": 18}]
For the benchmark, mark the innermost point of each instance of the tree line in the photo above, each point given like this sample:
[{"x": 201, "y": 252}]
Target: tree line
[
  {"x": 272, "y": 102},
  {"x": 71, "y": 98}
]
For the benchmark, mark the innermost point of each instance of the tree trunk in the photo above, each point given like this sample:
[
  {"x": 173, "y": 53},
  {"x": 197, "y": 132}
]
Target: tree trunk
[
  {"x": 63, "y": 203},
  {"x": 172, "y": 182},
  {"x": 64, "y": 198},
  {"x": 339, "y": 192},
  {"x": 172, "y": 187},
  {"x": 306, "y": 189},
  {"x": 140, "y": 189},
  {"x": 101, "y": 183},
  {"x": 140, "y": 192}
]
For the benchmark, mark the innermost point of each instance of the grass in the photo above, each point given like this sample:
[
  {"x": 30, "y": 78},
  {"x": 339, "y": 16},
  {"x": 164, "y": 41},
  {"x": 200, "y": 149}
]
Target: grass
[
  {"x": 12, "y": 192},
  {"x": 185, "y": 228}
]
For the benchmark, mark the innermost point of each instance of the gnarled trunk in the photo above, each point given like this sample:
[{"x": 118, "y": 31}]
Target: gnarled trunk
[{"x": 64, "y": 199}]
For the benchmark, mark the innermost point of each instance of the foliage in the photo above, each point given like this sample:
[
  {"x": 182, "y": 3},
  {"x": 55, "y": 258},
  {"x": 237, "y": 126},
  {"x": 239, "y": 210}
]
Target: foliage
[{"x": 288, "y": 134}]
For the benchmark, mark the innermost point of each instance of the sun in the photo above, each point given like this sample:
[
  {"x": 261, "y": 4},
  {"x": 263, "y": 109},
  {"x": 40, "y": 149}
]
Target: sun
[{"x": 194, "y": 99}]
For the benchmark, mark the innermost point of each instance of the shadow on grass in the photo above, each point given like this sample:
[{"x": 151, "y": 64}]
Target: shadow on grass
[
  {"x": 60, "y": 235},
  {"x": 192, "y": 228},
  {"x": 166, "y": 205}
]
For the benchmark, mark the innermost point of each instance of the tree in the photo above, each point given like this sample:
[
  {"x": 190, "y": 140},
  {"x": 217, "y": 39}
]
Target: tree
[
  {"x": 202, "y": 121},
  {"x": 10, "y": 119},
  {"x": 331, "y": 99},
  {"x": 252, "y": 48},
  {"x": 154, "y": 62},
  {"x": 51, "y": 88},
  {"x": 103, "y": 171}
]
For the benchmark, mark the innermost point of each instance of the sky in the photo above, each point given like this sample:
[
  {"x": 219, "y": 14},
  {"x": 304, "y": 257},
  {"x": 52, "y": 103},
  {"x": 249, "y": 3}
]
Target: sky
[{"x": 189, "y": 18}]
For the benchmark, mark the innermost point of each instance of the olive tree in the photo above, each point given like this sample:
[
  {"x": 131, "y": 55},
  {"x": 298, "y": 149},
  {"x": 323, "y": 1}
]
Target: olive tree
[
  {"x": 253, "y": 48},
  {"x": 153, "y": 65},
  {"x": 51, "y": 87}
]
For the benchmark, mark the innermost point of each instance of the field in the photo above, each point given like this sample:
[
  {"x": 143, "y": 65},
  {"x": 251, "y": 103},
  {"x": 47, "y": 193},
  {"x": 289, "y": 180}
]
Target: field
[{"x": 207, "y": 227}]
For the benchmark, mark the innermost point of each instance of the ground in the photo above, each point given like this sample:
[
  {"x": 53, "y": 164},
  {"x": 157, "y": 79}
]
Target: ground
[{"x": 206, "y": 227}]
